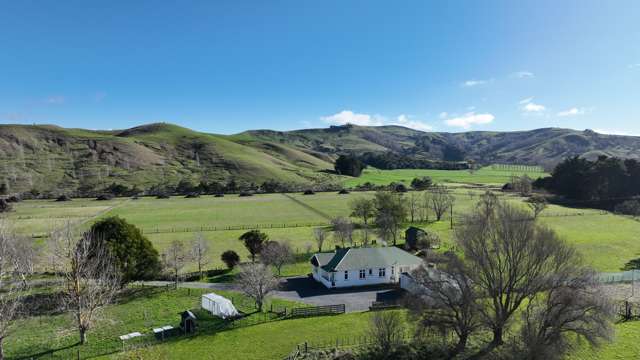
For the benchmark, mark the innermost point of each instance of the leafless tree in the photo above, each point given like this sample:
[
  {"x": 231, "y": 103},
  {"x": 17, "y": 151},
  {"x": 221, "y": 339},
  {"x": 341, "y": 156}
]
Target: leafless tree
[
  {"x": 342, "y": 230},
  {"x": 256, "y": 281},
  {"x": 537, "y": 204},
  {"x": 15, "y": 266},
  {"x": 200, "y": 251},
  {"x": 386, "y": 331},
  {"x": 440, "y": 200},
  {"x": 276, "y": 254},
  {"x": 522, "y": 184},
  {"x": 425, "y": 205},
  {"x": 320, "y": 235},
  {"x": 574, "y": 304},
  {"x": 175, "y": 259},
  {"x": 510, "y": 260},
  {"x": 447, "y": 300},
  {"x": 414, "y": 205},
  {"x": 91, "y": 279}
]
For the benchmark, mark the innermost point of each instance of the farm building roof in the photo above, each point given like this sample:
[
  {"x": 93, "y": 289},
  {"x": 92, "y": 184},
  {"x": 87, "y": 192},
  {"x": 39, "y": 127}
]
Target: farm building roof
[{"x": 363, "y": 258}]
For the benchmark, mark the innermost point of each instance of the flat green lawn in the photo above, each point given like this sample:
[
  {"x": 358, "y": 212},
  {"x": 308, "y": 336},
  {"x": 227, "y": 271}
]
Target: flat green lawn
[
  {"x": 485, "y": 175},
  {"x": 142, "y": 310},
  {"x": 624, "y": 347},
  {"x": 267, "y": 341}
]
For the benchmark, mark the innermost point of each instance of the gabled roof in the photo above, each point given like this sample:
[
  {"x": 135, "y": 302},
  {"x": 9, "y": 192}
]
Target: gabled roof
[
  {"x": 365, "y": 258},
  {"x": 321, "y": 259}
]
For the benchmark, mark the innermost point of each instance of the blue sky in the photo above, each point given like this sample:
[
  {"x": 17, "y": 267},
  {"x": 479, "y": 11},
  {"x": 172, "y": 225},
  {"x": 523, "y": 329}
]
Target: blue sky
[{"x": 229, "y": 66}]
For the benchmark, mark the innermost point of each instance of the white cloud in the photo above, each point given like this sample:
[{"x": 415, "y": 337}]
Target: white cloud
[
  {"x": 57, "y": 99},
  {"x": 523, "y": 75},
  {"x": 573, "y": 112},
  {"x": 403, "y": 120},
  {"x": 472, "y": 83},
  {"x": 530, "y": 106},
  {"x": 349, "y": 117},
  {"x": 469, "y": 119},
  {"x": 614, "y": 132},
  {"x": 633, "y": 66}
]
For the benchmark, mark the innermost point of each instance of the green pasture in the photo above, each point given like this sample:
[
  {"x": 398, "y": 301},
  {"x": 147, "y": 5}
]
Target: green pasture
[
  {"x": 489, "y": 175},
  {"x": 273, "y": 340},
  {"x": 141, "y": 309},
  {"x": 607, "y": 241}
]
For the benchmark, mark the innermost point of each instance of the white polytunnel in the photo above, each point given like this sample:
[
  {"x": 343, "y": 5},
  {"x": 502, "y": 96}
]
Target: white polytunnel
[{"x": 219, "y": 306}]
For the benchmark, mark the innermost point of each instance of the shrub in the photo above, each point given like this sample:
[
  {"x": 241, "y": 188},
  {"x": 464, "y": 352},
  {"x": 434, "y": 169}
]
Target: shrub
[
  {"x": 219, "y": 195},
  {"x": 308, "y": 192},
  {"x": 245, "y": 193},
  {"x": 343, "y": 192},
  {"x": 192, "y": 196},
  {"x": 163, "y": 196},
  {"x": 13, "y": 199},
  {"x": 5, "y": 206},
  {"x": 629, "y": 207},
  {"x": 63, "y": 198},
  {"x": 230, "y": 258},
  {"x": 104, "y": 197}
]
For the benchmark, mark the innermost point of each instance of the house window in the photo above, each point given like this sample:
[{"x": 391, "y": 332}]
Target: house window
[
  {"x": 382, "y": 272},
  {"x": 346, "y": 275},
  {"x": 370, "y": 271},
  {"x": 362, "y": 274},
  {"x": 392, "y": 268}
]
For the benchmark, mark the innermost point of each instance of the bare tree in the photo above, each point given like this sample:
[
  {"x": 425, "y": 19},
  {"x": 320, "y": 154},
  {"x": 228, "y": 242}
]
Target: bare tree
[
  {"x": 386, "y": 331},
  {"x": 15, "y": 266},
  {"x": 91, "y": 278},
  {"x": 414, "y": 205},
  {"x": 256, "y": 281},
  {"x": 276, "y": 254},
  {"x": 510, "y": 260},
  {"x": 320, "y": 235},
  {"x": 522, "y": 184},
  {"x": 574, "y": 306},
  {"x": 537, "y": 204},
  {"x": 175, "y": 258},
  {"x": 447, "y": 301},
  {"x": 440, "y": 200},
  {"x": 200, "y": 251},
  {"x": 342, "y": 230}
]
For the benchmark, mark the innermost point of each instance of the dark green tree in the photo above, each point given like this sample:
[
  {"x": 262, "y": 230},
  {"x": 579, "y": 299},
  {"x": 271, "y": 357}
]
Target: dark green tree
[
  {"x": 230, "y": 258},
  {"x": 421, "y": 183},
  {"x": 254, "y": 240},
  {"x": 136, "y": 257},
  {"x": 349, "y": 165}
]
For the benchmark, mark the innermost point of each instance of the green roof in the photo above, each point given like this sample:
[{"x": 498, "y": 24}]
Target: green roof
[{"x": 365, "y": 258}]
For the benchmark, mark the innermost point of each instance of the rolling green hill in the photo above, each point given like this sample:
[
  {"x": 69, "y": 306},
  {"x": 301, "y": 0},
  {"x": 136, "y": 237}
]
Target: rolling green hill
[{"x": 55, "y": 159}]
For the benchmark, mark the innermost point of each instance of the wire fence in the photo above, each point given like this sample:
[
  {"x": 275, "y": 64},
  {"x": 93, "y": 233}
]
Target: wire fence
[
  {"x": 207, "y": 228},
  {"x": 344, "y": 342},
  {"x": 619, "y": 277}
]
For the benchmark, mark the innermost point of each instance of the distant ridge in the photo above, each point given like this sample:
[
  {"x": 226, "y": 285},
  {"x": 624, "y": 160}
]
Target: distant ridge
[{"x": 52, "y": 158}]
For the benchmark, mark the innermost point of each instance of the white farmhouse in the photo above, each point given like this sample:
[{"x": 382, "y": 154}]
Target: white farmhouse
[{"x": 362, "y": 266}]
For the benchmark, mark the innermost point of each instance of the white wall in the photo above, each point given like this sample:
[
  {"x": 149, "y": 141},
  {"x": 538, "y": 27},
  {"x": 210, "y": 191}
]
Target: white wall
[{"x": 354, "y": 277}]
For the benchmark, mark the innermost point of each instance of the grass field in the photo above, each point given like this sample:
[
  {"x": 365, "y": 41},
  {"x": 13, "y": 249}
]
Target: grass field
[
  {"x": 267, "y": 341},
  {"x": 607, "y": 241},
  {"x": 489, "y": 175},
  {"x": 140, "y": 310}
]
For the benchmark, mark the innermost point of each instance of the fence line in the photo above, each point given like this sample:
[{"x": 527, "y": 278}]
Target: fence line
[{"x": 230, "y": 227}]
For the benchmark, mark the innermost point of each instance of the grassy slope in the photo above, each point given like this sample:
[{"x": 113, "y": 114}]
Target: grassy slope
[{"x": 55, "y": 159}]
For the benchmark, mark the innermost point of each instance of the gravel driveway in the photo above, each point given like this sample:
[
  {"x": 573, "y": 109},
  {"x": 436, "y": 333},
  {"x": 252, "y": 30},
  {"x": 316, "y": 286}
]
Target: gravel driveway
[{"x": 308, "y": 291}]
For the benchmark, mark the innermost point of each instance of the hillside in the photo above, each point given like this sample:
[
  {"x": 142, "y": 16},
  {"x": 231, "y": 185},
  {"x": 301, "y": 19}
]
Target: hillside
[{"x": 55, "y": 159}]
